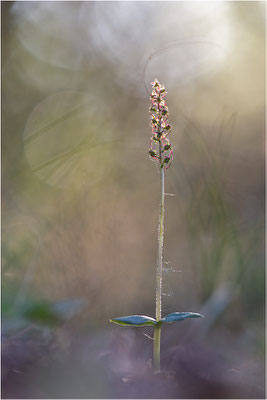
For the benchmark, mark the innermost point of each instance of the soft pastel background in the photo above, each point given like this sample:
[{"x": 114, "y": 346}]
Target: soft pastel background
[{"x": 80, "y": 198}]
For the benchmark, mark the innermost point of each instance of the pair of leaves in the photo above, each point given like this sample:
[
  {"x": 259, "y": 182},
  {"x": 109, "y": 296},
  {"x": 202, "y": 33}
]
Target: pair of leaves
[{"x": 142, "y": 320}]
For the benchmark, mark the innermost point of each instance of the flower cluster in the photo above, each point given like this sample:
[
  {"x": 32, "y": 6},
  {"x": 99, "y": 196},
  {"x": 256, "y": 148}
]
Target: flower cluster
[{"x": 160, "y": 147}]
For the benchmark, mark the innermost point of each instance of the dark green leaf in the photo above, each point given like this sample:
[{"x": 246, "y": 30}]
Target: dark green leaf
[
  {"x": 180, "y": 316},
  {"x": 134, "y": 320},
  {"x": 42, "y": 313},
  {"x": 46, "y": 313}
]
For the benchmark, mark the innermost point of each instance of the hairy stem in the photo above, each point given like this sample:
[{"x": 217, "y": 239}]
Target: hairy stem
[
  {"x": 157, "y": 329},
  {"x": 160, "y": 246},
  {"x": 163, "y": 155}
]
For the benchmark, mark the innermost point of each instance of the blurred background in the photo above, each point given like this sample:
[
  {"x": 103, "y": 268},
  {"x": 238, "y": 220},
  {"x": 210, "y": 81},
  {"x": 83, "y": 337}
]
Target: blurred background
[{"x": 80, "y": 198}]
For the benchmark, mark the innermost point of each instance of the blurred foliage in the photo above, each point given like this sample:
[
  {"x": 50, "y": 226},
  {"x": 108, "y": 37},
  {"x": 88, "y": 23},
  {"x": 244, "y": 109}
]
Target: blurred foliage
[{"x": 80, "y": 195}]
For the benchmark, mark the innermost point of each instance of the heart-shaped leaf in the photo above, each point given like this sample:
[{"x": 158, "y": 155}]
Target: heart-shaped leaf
[
  {"x": 134, "y": 320},
  {"x": 180, "y": 316}
]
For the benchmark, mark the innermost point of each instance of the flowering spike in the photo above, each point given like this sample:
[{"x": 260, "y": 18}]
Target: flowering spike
[
  {"x": 161, "y": 152},
  {"x": 160, "y": 147}
]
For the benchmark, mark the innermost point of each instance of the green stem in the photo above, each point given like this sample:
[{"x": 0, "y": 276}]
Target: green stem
[
  {"x": 157, "y": 329},
  {"x": 160, "y": 246}
]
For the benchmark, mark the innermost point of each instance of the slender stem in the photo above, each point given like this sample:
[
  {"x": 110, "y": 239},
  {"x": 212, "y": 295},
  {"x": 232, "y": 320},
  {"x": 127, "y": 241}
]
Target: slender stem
[
  {"x": 160, "y": 130},
  {"x": 157, "y": 329},
  {"x": 160, "y": 245}
]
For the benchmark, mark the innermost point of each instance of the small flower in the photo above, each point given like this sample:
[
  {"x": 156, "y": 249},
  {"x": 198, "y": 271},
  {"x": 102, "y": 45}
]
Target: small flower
[
  {"x": 167, "y": 146},
  {"x": 155, "y": 83},
  {"x": 160, "y": 147}
]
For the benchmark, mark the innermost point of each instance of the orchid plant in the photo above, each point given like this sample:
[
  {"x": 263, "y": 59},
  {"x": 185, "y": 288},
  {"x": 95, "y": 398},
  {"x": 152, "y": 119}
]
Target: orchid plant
[{"x": 161, "y": 152}]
